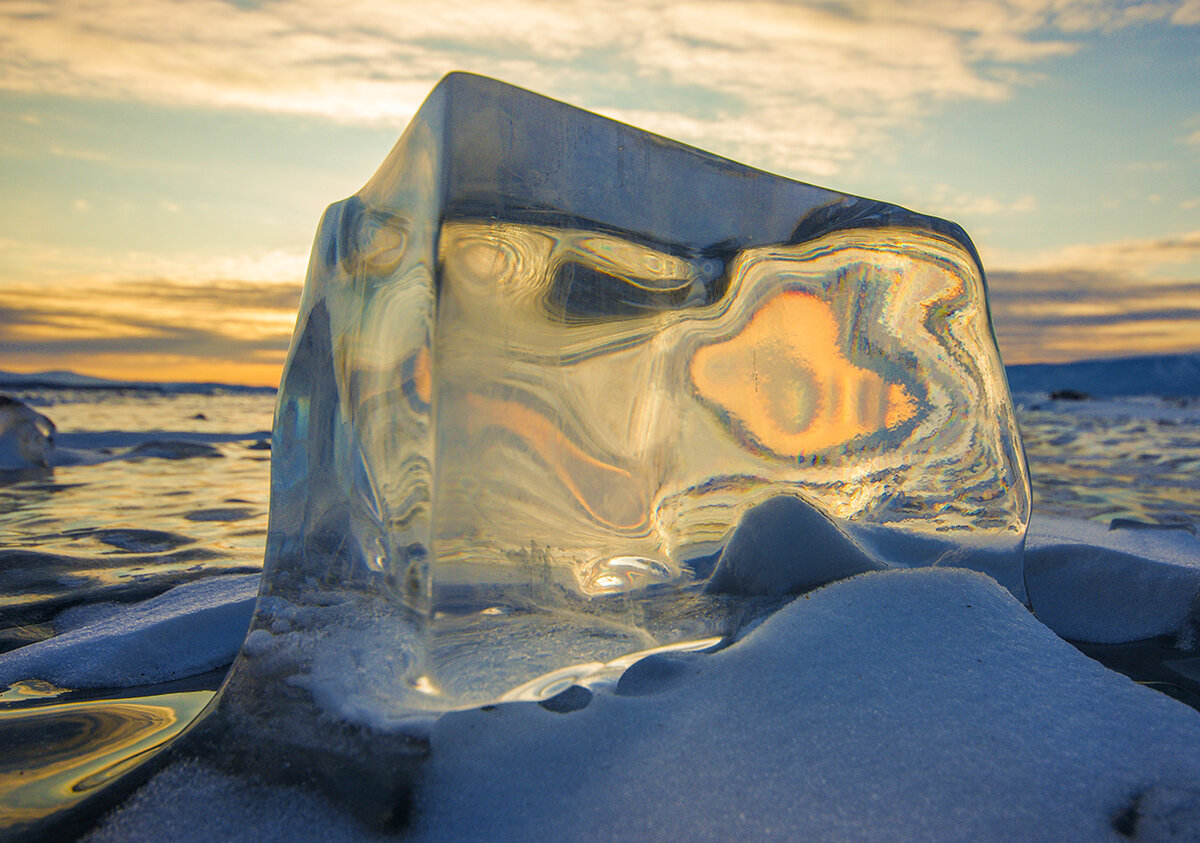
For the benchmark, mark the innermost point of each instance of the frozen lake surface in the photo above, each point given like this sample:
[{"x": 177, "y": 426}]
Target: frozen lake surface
[{"x": 926, "y": 702}]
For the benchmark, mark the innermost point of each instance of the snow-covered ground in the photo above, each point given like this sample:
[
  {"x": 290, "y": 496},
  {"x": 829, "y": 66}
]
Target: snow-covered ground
[
  {"x": 909, "y": 704},
  {"x": 906, "y": 704}
]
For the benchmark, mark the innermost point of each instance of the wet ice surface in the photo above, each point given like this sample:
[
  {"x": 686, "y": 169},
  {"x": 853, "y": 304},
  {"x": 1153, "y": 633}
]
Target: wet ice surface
[
  {"x": 1135, "y": 457},
  {"x": 129, "y": 528}
]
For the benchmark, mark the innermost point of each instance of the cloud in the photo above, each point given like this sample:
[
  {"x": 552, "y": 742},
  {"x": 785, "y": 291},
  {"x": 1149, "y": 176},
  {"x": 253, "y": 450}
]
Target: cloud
[
  {"x": 809, "y": 83},
  {"x": 1187, "y": 14},
  {"x": 44, "y": 266},
  {"x": 943, "y": 201},
  {"x": 1176, "y": 255},
  {"x": 1106, "y": 302},
  {"x": 243, "y": 324},
  {"x": 158, "y": 317},
  {"x": 77, "y": 154}
]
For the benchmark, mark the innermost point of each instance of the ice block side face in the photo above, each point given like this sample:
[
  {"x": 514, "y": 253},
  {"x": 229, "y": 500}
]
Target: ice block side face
[{"x": 563, "y": 391}]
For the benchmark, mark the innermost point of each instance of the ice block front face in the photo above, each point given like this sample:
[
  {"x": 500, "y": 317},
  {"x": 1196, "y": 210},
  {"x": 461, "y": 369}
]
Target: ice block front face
[{"x": 563, "y": 391}]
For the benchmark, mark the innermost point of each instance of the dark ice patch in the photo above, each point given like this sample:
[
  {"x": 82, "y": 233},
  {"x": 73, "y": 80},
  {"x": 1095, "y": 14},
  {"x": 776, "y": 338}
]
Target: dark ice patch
[
  {"x": 142, "y": 541},
  {"x": 1069, "y": 395},
  {"x": 229, "y": 513},
  {"x": 172, "y": 449},
  {"x": 1134, "y": 524},
  {"x": 572, "y": 699}
]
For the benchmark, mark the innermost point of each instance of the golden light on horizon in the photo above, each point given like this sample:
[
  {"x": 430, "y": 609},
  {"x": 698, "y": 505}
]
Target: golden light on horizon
[{"x": 154, "y": 331}]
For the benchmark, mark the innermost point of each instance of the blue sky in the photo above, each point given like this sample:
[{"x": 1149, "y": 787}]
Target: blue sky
[{"x": 163, "y": 164}]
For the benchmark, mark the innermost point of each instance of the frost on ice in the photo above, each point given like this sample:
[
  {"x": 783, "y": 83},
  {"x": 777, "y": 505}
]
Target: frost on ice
[{"x": 562, "y": 391}]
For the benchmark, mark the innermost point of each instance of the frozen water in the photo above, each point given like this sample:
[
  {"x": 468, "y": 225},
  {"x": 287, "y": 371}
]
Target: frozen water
[
  {"x": 26, "y": 436},
  {"x": 562, "y": 391}
]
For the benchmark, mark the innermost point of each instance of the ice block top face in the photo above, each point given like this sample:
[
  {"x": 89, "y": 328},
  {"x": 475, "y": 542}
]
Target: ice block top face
[{"x": 562, "y": 390}]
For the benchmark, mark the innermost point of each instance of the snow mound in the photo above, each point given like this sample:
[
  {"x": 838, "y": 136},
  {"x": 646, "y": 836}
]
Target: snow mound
[
  {"x": 785, "y": 546},
  {"x": 1109, "y": 586},
  {"x": 908, "y": 704},
  {"x": 191, "y": 629}
]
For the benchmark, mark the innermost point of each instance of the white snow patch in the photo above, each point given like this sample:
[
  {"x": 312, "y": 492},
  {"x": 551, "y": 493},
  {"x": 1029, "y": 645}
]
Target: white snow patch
[
  {"x": 192, "y": 628},
  {"x": 1090, "y": 583},
  {"x": 908, "y": 705}
]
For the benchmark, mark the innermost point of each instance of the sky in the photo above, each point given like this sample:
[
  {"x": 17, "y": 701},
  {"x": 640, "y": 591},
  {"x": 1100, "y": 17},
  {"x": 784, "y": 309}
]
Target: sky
[{"x": 164, "y": 163}]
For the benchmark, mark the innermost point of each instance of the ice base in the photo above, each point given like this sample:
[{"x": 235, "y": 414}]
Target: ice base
[{"x": 562, "y": 391}]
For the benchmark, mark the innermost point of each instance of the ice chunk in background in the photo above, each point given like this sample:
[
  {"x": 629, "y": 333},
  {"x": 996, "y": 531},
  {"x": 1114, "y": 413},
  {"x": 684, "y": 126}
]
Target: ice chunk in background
[
  {"x": 26, "y": 436},
  {"x": 544, "y": 367}
]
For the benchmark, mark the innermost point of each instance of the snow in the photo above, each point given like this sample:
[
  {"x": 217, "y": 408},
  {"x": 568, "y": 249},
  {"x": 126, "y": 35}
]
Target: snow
[
  {"x": 1106, "y": 586},
  {"x": 191, "y": 629},
  {"x": 786, "y": 545},
  {"x": 905, "y": 704}
]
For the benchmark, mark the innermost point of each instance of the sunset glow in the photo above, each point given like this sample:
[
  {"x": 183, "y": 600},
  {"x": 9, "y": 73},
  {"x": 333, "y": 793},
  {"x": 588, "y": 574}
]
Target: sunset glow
[{"x": 163, "y": 166}]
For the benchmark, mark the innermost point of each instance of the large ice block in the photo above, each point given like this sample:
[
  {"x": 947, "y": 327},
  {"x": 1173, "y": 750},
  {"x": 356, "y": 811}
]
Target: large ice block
[{"x": 562, "y": 391}]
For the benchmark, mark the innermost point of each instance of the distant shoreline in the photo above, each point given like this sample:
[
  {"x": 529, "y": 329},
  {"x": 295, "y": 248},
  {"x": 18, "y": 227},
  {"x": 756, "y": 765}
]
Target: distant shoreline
[
  {"x": 1167, "y": 375},
  {"x": 72, "y": 381}
]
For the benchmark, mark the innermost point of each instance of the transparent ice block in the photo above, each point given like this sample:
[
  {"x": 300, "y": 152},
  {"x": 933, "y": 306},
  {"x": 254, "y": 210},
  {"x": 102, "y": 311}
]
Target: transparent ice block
[{"x": 562, "y": 392}]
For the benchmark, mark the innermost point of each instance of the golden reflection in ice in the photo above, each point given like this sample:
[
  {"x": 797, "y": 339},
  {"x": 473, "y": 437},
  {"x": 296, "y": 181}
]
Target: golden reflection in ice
[
  {"x": 56, "y": 755},
  {"x": 639, "y": 266},
  {"x": 608, "y": 493},
  {"x": 516, "y": 263},
  {"x": 623, "y": 573},
  {"x": 606, "y": 398},
  {"x": 786, "y": 381}
]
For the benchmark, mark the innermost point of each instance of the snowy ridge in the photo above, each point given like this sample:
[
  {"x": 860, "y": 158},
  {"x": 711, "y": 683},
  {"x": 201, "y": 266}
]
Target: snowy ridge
[
  {"x": 73, "y": 380},
  {"x": 1112, "y": 585},
  {"x": 1169, "y": 375},
  {"x": 191, "y": 629},
  {"x": 1164, "y": 374}
]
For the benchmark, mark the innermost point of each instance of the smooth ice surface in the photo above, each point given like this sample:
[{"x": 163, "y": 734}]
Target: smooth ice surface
[
  {"x": 901, "y": 705},
  {"x": 548, "y": 366}
]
